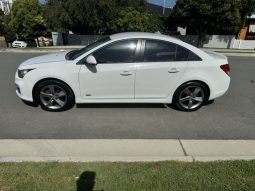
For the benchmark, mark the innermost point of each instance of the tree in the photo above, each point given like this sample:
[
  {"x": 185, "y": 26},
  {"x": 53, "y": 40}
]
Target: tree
[
  {"x": 86, "y": 16},
  {"x": 129, "y": 19},
  {"x": 8, "y": 31},
  {"x": 210, "y": 17},
  {"x": 1, "y": 22},
  {"x": 27, "y": 19},
  {"x": 56, "y": 15}
]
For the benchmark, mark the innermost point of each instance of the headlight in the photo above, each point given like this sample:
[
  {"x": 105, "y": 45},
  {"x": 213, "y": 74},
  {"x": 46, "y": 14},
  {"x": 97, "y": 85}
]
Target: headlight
[{"x": 22, "y": 73}]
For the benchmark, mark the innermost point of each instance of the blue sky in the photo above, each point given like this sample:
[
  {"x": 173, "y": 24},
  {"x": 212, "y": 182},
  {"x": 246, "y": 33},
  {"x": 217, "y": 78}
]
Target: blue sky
[{"x": 169, "y": 3}]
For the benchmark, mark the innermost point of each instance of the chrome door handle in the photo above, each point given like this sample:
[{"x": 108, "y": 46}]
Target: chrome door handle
[
  {"x": 125, "y": 73},
  {"x": 173, "y": 70}
]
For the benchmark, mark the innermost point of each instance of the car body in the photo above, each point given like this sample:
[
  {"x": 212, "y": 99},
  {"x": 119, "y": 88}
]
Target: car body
[
  {"x": 19, "y": 44},
  {"x": 126, "y": 68}
]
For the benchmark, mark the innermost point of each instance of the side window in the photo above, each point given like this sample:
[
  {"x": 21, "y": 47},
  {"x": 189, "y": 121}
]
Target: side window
[
  {"x": 118, "y": 52},
  {"x": 161, "y": 51},
  {"x": 194, "y": 57}
]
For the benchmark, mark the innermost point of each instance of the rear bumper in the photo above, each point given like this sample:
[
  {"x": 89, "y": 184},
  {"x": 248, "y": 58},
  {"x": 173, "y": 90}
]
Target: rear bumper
[{"x": 221, "y": 87}]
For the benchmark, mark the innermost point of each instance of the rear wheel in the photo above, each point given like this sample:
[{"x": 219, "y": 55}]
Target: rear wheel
[
  {"x": 54, "y": 95},
  {"x": 191, "y": 96}
]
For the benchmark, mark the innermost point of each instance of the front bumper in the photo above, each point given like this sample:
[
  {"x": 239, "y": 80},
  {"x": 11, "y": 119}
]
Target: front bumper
[{"x": 23, "y": 89}]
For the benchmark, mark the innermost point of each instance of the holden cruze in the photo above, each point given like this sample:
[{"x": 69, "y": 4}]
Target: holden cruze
[{"x": 125, "y": 68}]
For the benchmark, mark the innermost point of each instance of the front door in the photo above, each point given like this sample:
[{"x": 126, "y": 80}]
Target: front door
[{"x": 114, "y": 75}]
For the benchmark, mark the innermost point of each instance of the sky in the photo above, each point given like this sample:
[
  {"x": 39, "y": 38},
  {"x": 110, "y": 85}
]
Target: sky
[{"x": 169, "y": 3}]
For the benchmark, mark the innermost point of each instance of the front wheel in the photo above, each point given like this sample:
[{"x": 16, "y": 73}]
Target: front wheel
[
  {"x": 54, "y": 95},
  {"x": 191, "y": 96}
]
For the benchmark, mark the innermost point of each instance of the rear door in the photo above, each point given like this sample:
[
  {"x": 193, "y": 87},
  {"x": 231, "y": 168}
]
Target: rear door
[{"x": 161, "y": 66}]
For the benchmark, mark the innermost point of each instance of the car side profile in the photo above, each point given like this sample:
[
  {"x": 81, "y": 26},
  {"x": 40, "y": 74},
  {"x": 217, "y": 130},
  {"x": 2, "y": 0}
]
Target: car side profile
[{"x": 129, "y": 67}]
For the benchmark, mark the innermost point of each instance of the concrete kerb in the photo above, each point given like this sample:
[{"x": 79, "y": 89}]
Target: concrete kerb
[{"x": 125, "y": 150}]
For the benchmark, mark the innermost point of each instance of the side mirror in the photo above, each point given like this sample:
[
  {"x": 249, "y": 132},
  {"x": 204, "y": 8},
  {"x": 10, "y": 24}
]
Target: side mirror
[{"x": 91, "y": 60}]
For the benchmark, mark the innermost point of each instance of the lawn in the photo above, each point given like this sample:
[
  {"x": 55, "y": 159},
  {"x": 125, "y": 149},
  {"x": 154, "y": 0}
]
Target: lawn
[{"x": 156, "y": 176}]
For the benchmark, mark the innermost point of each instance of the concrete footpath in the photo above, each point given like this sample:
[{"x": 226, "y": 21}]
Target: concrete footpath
[{"x": 126, "y": 150}]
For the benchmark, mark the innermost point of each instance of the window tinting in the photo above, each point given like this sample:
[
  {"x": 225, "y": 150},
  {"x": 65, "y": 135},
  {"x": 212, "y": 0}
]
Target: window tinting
[
  {"x": 119, "y": 52},
  {"x": 76, "y": 53},
  {"x": 194, "y": 57},
  {"x": 161, "y": 51}
]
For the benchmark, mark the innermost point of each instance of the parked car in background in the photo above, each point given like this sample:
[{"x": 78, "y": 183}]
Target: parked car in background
[
  {"x": 19, "y": 44},
  {"x": 125, "y": 68}
]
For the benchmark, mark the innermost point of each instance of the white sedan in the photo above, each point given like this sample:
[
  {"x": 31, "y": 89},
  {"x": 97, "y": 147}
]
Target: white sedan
[
  {"x": 125, "y": 68},
  {"x": 19, "y": 44}
]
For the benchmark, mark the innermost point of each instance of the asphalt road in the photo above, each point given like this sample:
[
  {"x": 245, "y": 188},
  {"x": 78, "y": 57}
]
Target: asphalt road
[{"x": 229, "y": 117}]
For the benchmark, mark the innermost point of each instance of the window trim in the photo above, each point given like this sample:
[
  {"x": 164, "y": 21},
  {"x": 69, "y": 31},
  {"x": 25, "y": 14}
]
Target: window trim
[
  {"x": 137, "y": 51},
  {"x": 141, "y": 55}
]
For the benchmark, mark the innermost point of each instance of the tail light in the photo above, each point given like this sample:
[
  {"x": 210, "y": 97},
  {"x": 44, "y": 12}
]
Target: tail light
[{"x": 225, "y": 68}]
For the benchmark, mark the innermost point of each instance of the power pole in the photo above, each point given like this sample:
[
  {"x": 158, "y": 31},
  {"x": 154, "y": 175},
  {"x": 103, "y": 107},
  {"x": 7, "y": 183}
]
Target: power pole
[{"x": 164, "y": 7}]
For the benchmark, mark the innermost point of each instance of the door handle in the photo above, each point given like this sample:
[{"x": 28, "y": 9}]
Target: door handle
[
  {"x": 125, "y": 73},
  {"x": 173, "y": 70}
]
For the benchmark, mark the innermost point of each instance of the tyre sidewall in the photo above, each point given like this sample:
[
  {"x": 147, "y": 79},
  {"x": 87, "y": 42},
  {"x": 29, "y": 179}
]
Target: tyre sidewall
[
  {"x": 70, "y": 95},
  {"x": 182, "y": 87}
]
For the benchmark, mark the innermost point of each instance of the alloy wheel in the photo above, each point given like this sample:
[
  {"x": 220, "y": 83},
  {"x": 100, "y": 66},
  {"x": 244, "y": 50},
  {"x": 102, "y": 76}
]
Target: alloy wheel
[
  {"x": 192, "y": 97},
  {"x": 53, "y": 97}
]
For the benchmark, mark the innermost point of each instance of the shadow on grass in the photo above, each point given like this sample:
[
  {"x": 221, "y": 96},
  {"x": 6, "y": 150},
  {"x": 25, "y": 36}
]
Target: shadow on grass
[{"x": 86, "y": 181}]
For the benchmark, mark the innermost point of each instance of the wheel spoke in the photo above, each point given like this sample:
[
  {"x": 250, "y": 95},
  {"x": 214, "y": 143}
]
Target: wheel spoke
[
  {"x": 61, "y": 94},
  {"x": 60, "y": 102},
  {"x": 52, "y": 89},
  {"x": 198, "y": 99},
  {"x": 196, "y": 91},
  {"x": 190, "y": 104},
  {"x": 185, "y": 99},
  {"x": 43, "y": 94},
  {"x": 187, "y": 91}
]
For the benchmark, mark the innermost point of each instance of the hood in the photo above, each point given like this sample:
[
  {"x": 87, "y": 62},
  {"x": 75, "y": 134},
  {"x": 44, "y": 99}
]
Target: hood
[{"x": 57, "y": 57}]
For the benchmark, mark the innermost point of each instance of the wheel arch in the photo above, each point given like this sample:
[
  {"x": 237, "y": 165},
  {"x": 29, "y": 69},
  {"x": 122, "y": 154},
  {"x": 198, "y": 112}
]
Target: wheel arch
[
  {"x": 46, "y": 79},
  {"x": 192, "y": 81}
]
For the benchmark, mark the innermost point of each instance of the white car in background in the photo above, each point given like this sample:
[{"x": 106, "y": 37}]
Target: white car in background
[
  {"x": 19, "y": 44},
  {"x": 125, "y": 68}
]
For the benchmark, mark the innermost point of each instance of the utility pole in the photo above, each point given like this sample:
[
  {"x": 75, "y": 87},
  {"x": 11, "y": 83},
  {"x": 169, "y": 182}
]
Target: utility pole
[{"x": 164, "y": 7}]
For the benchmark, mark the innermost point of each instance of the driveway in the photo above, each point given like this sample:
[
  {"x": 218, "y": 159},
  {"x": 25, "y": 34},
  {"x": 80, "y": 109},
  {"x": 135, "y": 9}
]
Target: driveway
[{"x": 229, "y": 117}]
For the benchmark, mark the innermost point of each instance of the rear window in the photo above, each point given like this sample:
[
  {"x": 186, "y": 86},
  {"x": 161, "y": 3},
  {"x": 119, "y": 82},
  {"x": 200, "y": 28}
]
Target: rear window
[{"x": 162, "y": 51}]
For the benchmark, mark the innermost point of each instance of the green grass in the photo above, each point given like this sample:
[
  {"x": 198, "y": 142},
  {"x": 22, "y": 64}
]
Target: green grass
[{"x": 157, "y": 176}]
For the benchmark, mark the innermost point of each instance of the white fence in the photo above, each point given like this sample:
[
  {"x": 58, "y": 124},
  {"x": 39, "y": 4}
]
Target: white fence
[{"x": 244, "y": 44}]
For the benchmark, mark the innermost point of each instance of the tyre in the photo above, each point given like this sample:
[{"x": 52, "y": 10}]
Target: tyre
[
  {"x": 54, "y": 95},
  {"x": 191, "y": 96}
]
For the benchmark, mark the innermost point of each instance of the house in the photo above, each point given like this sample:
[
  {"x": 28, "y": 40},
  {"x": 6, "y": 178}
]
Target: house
[
  {"x": 248, "y": 30},
  {"x": 6, "y": 5}
]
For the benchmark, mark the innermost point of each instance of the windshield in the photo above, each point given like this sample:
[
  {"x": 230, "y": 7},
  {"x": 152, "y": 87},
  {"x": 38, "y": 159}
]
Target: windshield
[{"x": 72, "y": 55}]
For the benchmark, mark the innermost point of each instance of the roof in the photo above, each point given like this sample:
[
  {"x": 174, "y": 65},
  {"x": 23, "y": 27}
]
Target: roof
[{"x": 126, "y": 35}]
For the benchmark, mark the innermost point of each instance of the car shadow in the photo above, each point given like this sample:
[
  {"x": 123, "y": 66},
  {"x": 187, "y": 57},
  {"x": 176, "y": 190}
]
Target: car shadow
[{"x": 122, "y": 105}]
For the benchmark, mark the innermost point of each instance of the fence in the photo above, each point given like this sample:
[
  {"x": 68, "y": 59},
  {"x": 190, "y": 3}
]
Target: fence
[
  {"x": 209, "y": 41},
  {"x": 244, "y": 44}
]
